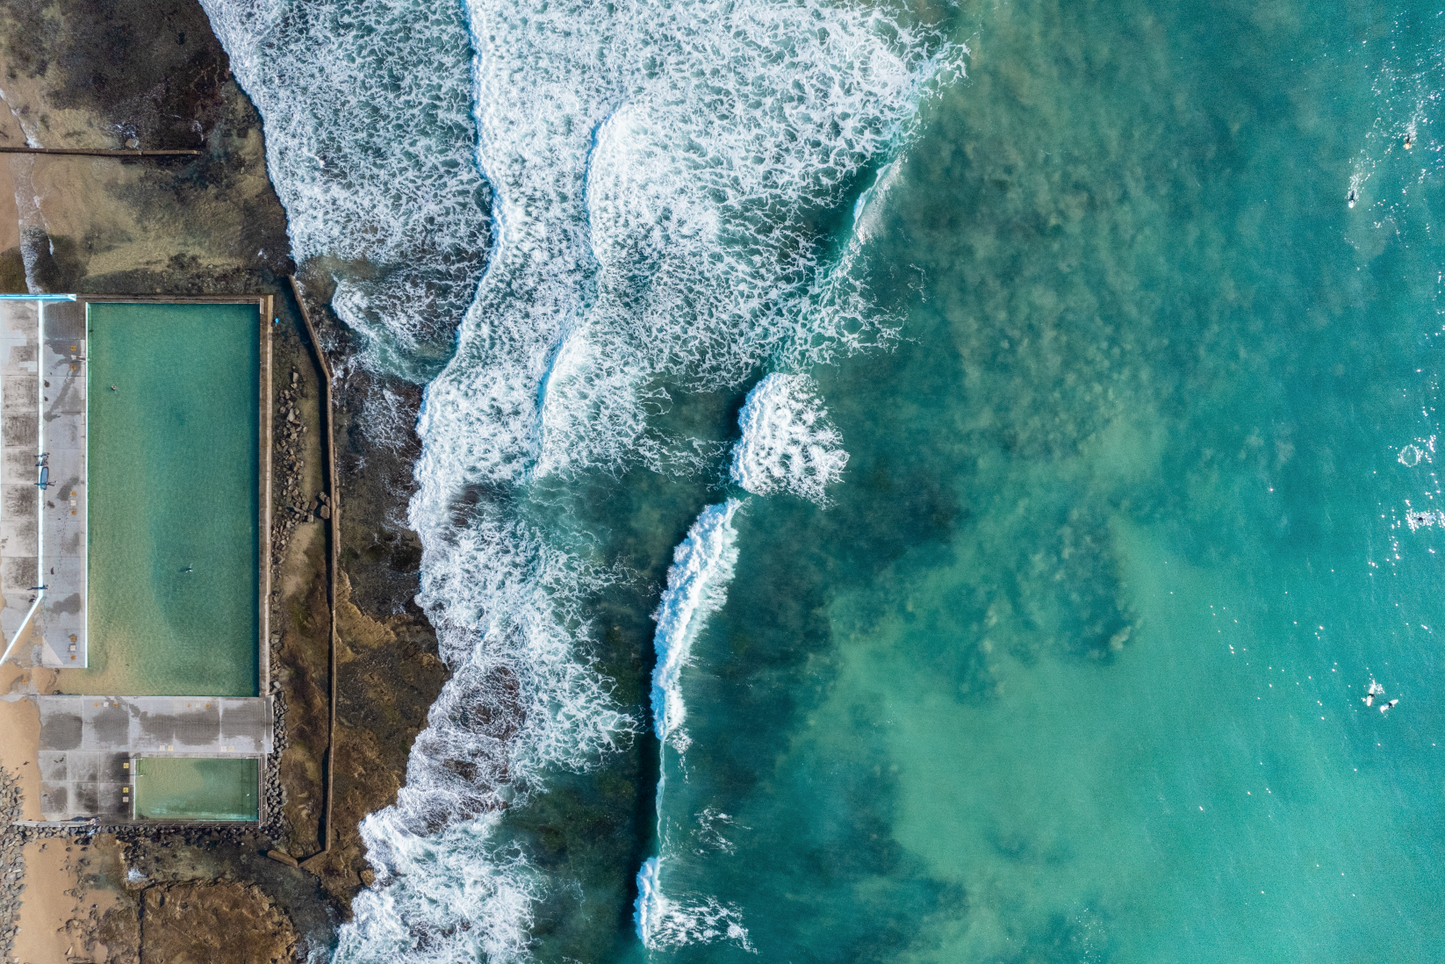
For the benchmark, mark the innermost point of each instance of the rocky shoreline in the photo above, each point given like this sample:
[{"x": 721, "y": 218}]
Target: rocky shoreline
[{"x": 88, "y": 73}]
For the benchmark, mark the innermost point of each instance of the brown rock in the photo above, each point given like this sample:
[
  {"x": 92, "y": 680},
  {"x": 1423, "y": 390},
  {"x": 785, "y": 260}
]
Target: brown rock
[
  {"x": 315, "y": 864},
  {"x": 204, "y": 922}
]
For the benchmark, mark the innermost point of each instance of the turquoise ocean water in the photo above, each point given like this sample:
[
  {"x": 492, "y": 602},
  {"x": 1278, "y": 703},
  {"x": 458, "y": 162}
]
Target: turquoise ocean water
[
  {"x": 1069, "y": 662},
  {"x": 173, "y": 464},
  {"x": 1072, "y": 668}
]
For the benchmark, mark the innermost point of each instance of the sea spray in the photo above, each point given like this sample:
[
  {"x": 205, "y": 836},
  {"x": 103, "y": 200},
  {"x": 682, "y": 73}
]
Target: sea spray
[
  {"x": 475, "y": 909},
  {"x": 654, "y": 167},
  {"x": 787, "y": 442},
  {"x": 656, "y": 171},
  {"x": 523, "y": 702},
  {"x": 369, "y": 142}
]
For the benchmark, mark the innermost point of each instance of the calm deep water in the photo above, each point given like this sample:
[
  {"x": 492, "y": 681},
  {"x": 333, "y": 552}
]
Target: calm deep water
[{"x": 1070, "y": 662}]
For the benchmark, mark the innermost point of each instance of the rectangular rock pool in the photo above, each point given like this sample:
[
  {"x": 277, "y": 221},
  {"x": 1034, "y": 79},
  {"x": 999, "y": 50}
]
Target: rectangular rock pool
[
  {"x": 174, "y": 480},
  {"x": 184, "y": 789}
]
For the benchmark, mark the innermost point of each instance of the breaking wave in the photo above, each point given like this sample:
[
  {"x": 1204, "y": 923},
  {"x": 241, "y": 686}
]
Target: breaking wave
[
  {"x": 697, "y": 585},
  {"x": 787, "y": 444},
  {"x": 697, "y": 581},
  {"x": 369, "y": 143},
  {"x": 607, "y": 203},
  {"x": 665, "y": 922},
  {"x": 655, "y": 170}
]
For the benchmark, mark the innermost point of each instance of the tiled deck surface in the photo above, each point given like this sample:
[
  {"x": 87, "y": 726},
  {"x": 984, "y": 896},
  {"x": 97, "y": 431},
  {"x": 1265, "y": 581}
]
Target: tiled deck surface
[
  {"x": 61, "y": 619},
  {"x": 19, "y": 463}
]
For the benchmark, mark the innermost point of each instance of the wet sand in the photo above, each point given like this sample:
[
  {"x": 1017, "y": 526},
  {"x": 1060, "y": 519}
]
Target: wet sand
[
  {"x": 58, "y": 911},
  {"x": 20, "y": 722}
]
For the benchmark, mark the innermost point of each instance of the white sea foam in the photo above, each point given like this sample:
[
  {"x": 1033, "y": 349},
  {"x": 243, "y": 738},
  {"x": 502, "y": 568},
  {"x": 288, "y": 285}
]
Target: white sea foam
[
  {"x": 697, "y": 585},
  {"x": 666, "y": 922},
  {"x": 787, "y": 442},
  {"x": 522, "y": 702},
  {"x": 369, "y": 142},
  {"x": 654, "y": 169},
  {"x": 478, "y": 904}
]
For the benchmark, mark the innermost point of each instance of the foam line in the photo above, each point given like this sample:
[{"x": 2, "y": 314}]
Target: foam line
[{"x": 702, "y": 567}]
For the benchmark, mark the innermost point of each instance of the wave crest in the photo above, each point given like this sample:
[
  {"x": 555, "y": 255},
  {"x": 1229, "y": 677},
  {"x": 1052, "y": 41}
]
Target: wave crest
[{"x": 787, "y": 442}]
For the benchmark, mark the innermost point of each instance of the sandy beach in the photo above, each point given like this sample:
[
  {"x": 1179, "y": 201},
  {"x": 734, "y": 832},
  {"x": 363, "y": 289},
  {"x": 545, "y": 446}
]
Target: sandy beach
[
  {"x": 20, "y": 722},
  {"x": 66, "y": 900}
]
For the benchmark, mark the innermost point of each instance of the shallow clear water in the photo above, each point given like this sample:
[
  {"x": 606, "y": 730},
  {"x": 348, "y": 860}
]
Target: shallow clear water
[
  {"x": 1070, "y": 665},
  {"x": 171, "y": 788},
  {"x": 173, "y": 496}
]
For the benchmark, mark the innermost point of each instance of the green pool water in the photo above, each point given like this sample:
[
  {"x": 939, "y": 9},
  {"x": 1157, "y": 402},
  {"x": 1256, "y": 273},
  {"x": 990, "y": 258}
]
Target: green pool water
[
  {"x": 189, "y": 789},
  {"x": 173, "y": 472}
]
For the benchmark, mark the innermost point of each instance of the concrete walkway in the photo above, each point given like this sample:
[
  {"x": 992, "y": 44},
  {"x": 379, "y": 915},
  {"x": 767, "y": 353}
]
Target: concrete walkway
[
  {"x": 42, "y": 530},
  {"x": 61, "y": 619},
  {"x": 19, "y": 464}
]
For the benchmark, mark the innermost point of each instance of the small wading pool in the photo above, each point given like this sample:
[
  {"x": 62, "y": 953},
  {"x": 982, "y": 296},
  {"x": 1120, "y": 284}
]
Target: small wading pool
[
  {"x": 173, "y": 462},
  {"x": 180, "y": 788}
]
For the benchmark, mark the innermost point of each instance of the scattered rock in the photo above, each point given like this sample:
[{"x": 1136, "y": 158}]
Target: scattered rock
[{"x": 203, "y": 921}]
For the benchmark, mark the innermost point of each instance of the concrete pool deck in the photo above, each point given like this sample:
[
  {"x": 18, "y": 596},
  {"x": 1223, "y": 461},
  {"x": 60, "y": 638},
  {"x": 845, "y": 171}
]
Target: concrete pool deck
[
  {"x": 87, "y": 743},
  {"x": 61, "y": 618},
  {"x": 19, "y": 464},
  {"x": 42, "y": 529}
]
